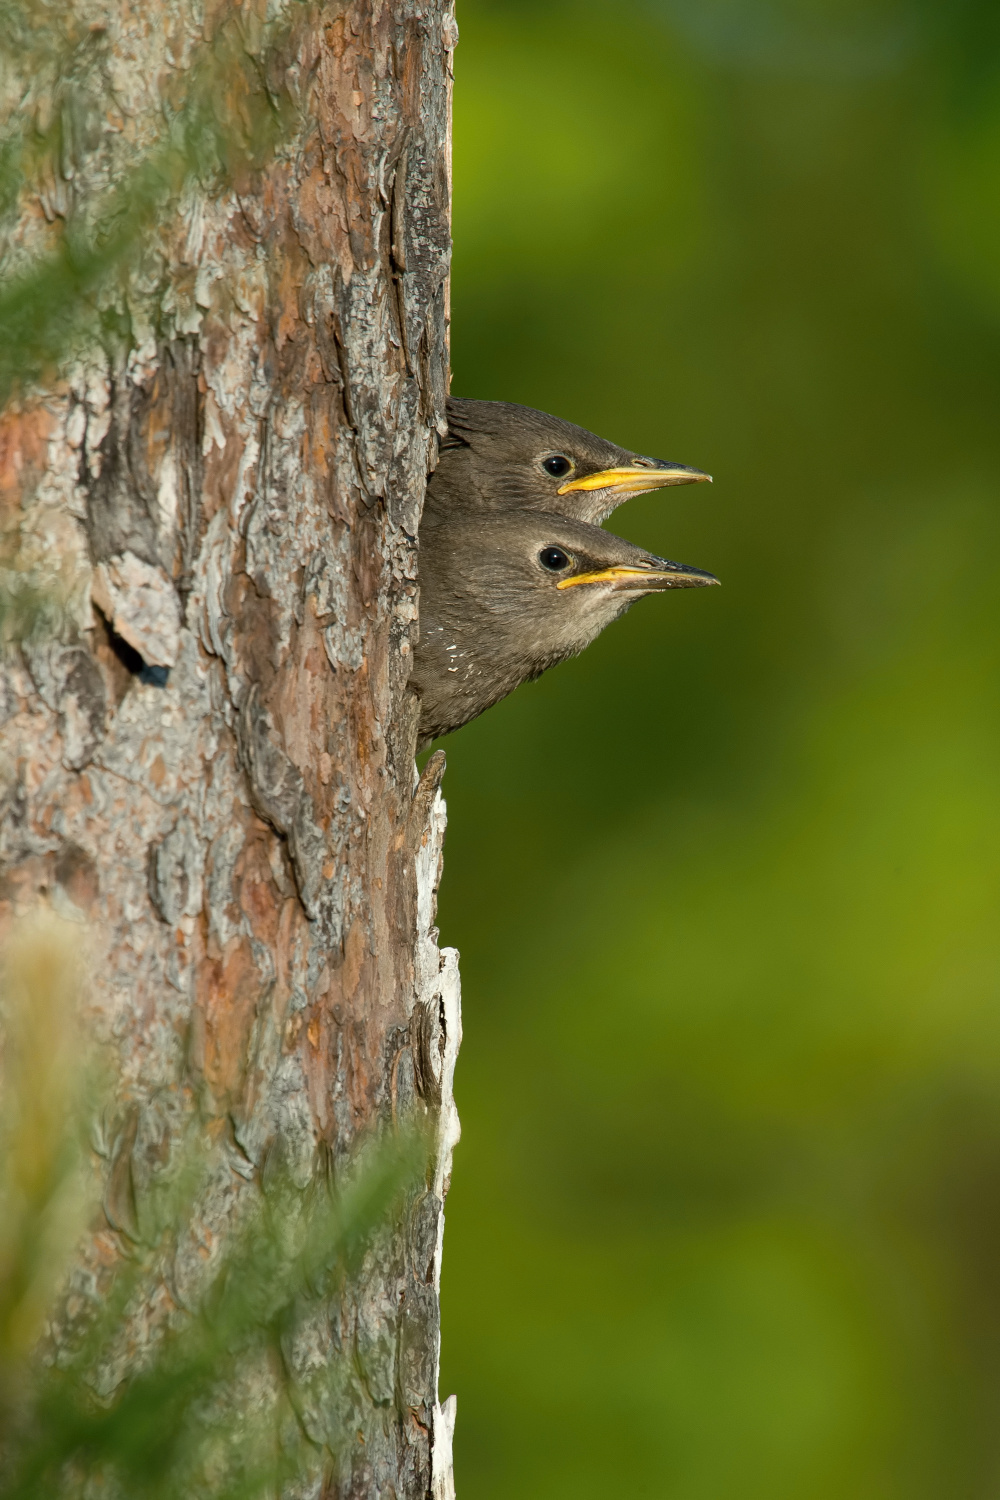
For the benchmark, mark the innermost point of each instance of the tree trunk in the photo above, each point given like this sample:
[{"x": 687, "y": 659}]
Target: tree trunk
[{"x": 211, "y": 760}]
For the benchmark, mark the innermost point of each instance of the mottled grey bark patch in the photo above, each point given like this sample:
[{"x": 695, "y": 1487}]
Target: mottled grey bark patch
[
  {"x": 278, "y": 792},
  {"x": 121, "y": 501},
  {"x": 69, "y": 682},
  {"x": 176, "y": 869}
]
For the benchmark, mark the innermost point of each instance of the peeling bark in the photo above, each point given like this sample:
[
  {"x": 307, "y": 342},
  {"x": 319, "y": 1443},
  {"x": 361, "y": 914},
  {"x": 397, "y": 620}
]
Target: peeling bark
[{"x": 211, "y": 760}]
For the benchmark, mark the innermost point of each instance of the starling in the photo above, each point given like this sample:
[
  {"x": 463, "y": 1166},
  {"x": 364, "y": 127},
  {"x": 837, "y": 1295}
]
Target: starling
[
  {"x": 505, "y": 594},
  {"x": 497, "y": 456}
]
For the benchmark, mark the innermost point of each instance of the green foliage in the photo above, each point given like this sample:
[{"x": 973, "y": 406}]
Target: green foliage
[
  {"x": 227, "y": 119},
  {"x": 26, "y": 606},
  {"x": 738, "y": 1208},
  {"x": 187, "y": 1419}
]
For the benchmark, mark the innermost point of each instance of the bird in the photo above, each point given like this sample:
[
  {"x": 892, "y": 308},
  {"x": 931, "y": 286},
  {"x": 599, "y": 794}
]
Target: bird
[
  {"x": 506, "y": 594},
  {"x": 515, "y": 571},
  {"x": 499, "y": 456}
]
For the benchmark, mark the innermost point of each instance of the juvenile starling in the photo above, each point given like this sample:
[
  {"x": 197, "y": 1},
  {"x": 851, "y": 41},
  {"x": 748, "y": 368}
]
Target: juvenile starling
[
  {"x": 497, "y": 456},
  {"x": 504, "y": 594}
]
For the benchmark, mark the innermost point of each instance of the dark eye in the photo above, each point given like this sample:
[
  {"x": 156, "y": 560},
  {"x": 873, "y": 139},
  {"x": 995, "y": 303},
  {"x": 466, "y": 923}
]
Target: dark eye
[
  {"x": 553, "y": 558},
  {"x": 557, "y": 464}
]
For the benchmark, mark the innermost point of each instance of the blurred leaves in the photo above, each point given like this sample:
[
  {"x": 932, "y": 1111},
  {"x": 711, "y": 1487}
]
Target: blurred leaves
[
  {"x": 29, "y": 604},
  {"x": 841, "y": 41},
  {"x": 224, "y": 118},
  {"x": 39, "y": 1159},
  {"x": 731, "y": 1134},
  {"x": 206, "y": 1408}
]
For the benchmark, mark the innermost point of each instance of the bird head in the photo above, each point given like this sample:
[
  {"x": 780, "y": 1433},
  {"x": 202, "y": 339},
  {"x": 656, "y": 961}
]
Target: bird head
[
  {"x": 498, "y": 455},
  {"x": 503, "y": 596}
]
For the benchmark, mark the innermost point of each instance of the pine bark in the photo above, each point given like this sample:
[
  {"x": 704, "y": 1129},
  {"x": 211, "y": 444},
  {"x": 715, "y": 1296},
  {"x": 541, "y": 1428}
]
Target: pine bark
[{"x": 209, "y": 762}]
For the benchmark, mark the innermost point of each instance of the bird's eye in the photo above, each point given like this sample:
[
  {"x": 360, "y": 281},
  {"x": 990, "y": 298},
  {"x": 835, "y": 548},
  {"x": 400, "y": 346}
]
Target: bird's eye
[
  {"x": 554, "y": 559},
  {"x": 557, "y": 464}
]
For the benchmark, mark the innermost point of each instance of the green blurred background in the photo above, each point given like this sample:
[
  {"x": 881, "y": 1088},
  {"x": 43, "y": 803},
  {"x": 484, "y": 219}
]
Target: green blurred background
[{"x": 726, "y": 1214}]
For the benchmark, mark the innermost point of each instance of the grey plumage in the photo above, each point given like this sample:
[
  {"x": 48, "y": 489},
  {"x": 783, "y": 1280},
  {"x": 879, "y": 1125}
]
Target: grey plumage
[
  {"x": 494, "y": 615},
  {"x": 514, "y": 575},
  {"x": 494, "y": 453}
]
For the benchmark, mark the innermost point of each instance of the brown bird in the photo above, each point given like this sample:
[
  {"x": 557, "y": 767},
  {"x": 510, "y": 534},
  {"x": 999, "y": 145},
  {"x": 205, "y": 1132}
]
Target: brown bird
[
  {"x": 506, "y": 594},
  {"x": 515, "y": 573},
  {"x": 497, "y": 456}
]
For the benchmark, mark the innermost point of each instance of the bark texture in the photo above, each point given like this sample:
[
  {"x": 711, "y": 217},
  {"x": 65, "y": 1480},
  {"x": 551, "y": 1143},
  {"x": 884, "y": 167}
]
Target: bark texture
[{"x": 211, "y": 760}]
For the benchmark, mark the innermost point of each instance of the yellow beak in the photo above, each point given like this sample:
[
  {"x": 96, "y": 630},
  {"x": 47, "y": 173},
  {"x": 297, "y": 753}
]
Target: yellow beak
[
  {"x": 636, "y": 480},
  {"x": 644, "y": 580}
]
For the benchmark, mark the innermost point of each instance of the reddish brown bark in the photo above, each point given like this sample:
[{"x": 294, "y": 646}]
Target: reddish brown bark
[{"x": 211, "y": 759}]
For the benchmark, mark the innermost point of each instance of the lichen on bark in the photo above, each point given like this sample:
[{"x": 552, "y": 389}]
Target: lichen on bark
[{"x": 207, "y": 749}]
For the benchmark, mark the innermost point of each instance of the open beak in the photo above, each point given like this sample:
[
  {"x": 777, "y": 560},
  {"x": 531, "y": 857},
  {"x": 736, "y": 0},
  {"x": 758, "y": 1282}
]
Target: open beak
[
  {"x": 669, "y": 575},
  {"x": 637, "y": 479}
]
